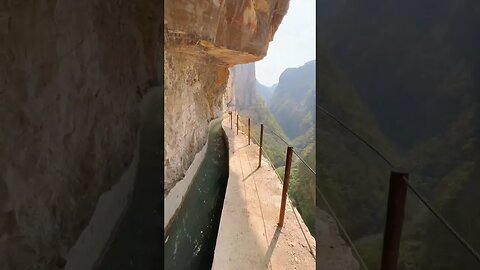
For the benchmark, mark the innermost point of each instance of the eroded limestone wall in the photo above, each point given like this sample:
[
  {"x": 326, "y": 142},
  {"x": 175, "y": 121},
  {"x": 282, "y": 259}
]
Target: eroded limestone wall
[
  {"x": 193, "y": 97},
  {"x": 72, "y": 74},
  {"x": 202, "y": 40}
]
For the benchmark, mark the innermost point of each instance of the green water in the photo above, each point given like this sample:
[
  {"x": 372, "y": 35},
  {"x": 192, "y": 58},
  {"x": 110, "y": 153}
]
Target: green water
[{"x": 190, "y": 240}]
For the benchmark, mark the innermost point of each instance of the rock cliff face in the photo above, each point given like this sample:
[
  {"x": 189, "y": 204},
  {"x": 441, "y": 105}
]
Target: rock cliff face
[
  {"x": 244, "y": 80},
  {"x": 202, "y": 40},
  {"x": 72, "y": 74},
  {"x": 193, "y": 97}
]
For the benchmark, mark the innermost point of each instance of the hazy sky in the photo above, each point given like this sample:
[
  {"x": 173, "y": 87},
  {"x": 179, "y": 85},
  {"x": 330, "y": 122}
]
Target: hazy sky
[{"x": 293, "y": 44}]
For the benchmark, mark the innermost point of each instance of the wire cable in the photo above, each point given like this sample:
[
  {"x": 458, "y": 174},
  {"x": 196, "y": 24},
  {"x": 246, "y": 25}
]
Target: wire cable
[
  {"x": 330, "y": 209},
  {"x": 280, "y": 137},
  {"x": 349, "y": 240},
  {"x": 413, "y": 189},
  {"x": 289, "y": 201},
  {"x": 382, "y": 156},
  {"x": 356, "y": 135},
  {"x": 304, "y": 162},
  {"x": 443, "y": 220}
]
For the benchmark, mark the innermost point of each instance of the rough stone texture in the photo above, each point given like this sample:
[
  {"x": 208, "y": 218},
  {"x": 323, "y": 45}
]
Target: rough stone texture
[
  {"x": 235, "y": 31},
  {"x": 229, "y": 95},
  {"x": 193, "y": 97},
  {"x": 202, "y": 40},
  {"x": 72, "y": 75}
]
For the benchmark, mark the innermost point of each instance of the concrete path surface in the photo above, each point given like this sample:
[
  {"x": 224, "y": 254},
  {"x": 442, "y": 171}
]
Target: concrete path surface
[
  {"x": 333, "y": 252},
  {"x": 248, "y": 237}
]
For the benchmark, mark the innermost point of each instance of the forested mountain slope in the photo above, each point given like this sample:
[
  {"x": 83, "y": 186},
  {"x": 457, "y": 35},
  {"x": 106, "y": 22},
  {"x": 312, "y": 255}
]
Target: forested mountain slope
[
  {"x": 265, "y": 92},
  {"x": 293, "y": 102},
  {"x": 415, "y": 65}
]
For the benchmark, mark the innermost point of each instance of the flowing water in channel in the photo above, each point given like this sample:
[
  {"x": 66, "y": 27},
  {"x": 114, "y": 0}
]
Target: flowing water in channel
[{"x": 190, "y": 239}]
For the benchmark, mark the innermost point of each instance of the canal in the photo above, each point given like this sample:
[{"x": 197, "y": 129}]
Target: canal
[{"x": 190, "y": 239}]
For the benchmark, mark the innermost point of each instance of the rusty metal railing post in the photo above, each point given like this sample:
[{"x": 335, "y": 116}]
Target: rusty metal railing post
[
  {"x": 288, "y": 165},
  {"x": 249, "y": 131},
  {"x": 261, "y": 144},
  {"x": 237, "y": 124},
  {"x": 393, "y": 227},
  {"x": 231, "y": 124}
]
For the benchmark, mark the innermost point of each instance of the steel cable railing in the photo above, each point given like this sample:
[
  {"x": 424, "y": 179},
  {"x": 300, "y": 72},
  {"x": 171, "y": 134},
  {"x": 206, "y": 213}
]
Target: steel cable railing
[
  {"x": 280, "y": 137},
  {"x": 442, "y": 220},
  {"x": 304, "y": 162},
  {"x": 324, "y": 199},
  {"x": 330, "y": 209},
  {"x": 312, "y": 252},
  {"x": 342, "y": 228},
  {"x": 290, "y": 201},
  {"x": 355, "y": 134}
]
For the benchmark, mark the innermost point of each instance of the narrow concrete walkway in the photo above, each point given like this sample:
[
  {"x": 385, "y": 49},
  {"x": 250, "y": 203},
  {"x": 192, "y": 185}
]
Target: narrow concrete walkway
[
  {"x": 248, "y": 237},
  {"x": 333, "y": 252}
]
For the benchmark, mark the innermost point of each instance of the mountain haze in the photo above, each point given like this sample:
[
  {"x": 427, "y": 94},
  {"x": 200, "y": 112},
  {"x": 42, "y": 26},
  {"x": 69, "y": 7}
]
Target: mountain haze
[
  {"x": 293, "y": 102},
  {"x": 264, "y": 91}
]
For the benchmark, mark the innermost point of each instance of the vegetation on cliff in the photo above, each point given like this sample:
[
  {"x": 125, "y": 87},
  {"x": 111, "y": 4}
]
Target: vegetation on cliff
[
  {"x": 415, "y": 66},
  {"x": 292, "y": 105}
]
